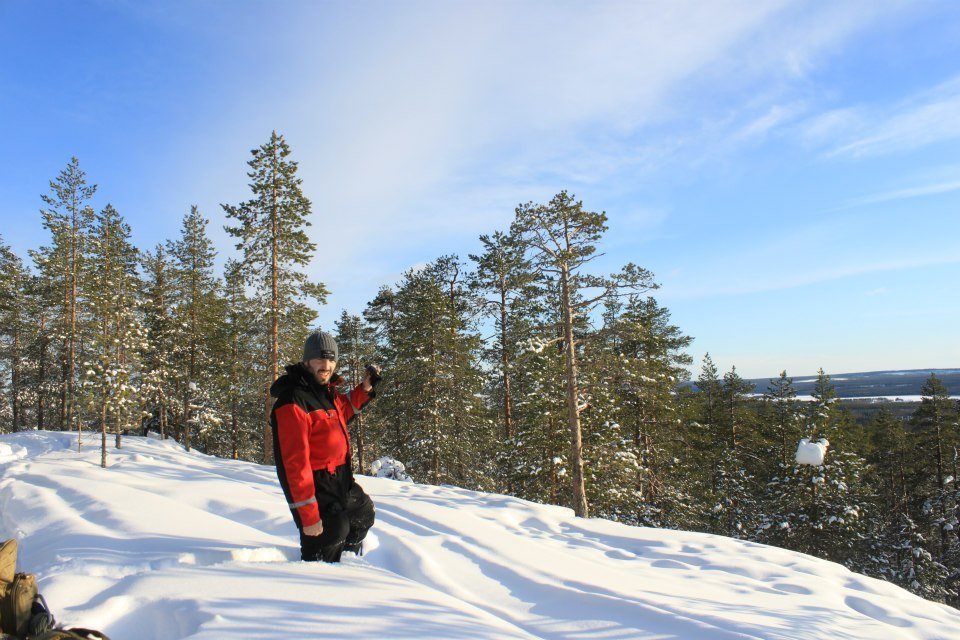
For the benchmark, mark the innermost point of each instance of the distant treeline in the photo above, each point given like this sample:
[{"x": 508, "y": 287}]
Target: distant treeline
[{"x": 518, "y": 370}]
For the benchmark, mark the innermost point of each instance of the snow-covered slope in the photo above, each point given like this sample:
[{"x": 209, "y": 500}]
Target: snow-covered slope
[{"x": 166, "y": 544}]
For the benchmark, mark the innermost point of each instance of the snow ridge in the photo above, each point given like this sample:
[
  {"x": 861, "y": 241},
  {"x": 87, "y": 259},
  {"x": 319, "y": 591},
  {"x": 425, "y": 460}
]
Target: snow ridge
[{"x": 166, "y": 544}]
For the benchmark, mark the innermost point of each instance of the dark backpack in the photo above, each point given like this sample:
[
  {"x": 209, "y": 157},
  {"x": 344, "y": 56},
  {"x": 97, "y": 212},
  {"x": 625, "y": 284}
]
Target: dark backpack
[{"x": 23, "y": 612}]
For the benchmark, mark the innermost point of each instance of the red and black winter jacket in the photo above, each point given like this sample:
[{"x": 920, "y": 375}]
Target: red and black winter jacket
[{"x": 309, "y": 423}]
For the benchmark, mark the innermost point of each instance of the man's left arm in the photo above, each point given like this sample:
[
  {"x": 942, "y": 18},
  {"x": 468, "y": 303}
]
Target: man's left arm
[{"x": 360, "y": 395}]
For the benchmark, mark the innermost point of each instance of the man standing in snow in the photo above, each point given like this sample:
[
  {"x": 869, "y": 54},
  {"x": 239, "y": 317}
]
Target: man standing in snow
[{"x": 309, "y": 422}]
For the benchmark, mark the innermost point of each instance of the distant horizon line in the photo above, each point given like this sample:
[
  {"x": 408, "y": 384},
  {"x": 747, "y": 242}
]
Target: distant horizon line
[{"x": 862, "y": 373}]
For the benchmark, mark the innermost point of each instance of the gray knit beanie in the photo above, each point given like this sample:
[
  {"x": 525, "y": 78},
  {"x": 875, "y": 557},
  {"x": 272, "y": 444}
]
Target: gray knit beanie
[{"x": 320, "y": 344}]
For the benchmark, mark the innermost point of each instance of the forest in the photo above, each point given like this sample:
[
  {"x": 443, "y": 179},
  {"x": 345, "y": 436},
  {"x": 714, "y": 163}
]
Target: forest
[{"x": 519, "y": 370}]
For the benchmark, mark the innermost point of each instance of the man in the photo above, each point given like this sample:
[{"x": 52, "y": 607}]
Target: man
[{"x": 312, "y": 451}]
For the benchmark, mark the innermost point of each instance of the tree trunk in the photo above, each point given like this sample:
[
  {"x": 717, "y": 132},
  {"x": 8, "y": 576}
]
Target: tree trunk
[
  {"x": 360, "y": 443},
  {"x": 15, "y": 380},
  {"x": 185, "y": 418},
  {"x": 580, "y": 507},
  {"x": 42, "y": 368},
  {"x": 505, "y": 364},
  {"x": 268, "y": 455},
  {"x": 71, "y": 350},
  {"x": 103, "y": 430}
]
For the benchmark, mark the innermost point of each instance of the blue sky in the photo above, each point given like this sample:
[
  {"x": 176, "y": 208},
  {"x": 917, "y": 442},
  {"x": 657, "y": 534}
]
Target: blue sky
[{"x": 790, "y": 171}]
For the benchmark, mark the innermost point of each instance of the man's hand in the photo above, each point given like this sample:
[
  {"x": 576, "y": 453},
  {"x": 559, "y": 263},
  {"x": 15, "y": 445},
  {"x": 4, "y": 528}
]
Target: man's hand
[
  {"x": 372, "y": 378},
  {"x": 313, "y": 530}
]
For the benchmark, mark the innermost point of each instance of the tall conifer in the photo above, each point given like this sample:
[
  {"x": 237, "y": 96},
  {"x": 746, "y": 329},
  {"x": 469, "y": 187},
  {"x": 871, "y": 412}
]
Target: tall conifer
[
  {"x": 195, "y": 290},
  {"x": 15, "y": 332},
  {"x": 68, "y": 217},
  {"x": 271, "y": 232},
  {"x": 110, "y": 371},
  {"x": 562, "y": 237}
]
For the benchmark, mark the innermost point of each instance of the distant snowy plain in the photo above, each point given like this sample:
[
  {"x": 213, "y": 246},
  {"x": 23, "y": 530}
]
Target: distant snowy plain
[{"x": 166, "y": 544}]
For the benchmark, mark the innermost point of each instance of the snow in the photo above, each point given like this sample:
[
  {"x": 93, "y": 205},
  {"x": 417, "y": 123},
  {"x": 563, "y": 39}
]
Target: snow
[
  {"x": 812, "y": 453},
  {"x": 166, "y": 544},
  {"x": 859, "y": 398}
]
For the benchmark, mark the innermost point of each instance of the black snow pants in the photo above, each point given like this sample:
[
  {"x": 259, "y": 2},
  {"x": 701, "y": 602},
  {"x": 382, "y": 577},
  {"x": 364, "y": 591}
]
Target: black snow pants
[{"x": 346, "y": 511}]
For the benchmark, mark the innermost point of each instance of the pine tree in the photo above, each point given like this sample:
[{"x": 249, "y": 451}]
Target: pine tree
[
  {"x": 41, "y": 299},
  {"x": 240, "y": 381},
  {"x": 383, "y": 434},
  {"x": 271, "y": 229},
  {"x": 14, "y": 333},
  {"x": 357, "y": 350},
  {"x": 782, "y": 428},
  {"x": 163, "y": 335},
  {"x": 710, "y": 396},
  {"x": 503, "y": 276},
  {"x": 824, "y": 510},
  {"x": 936, "y": 438},
  {"x": 440, "y": 426},
  {"x": 536, "y": 457},
  {"x": 636, "y": 367},
  {"x": 195, "y": 294},
  {"x": 783, "y": 418},
  {"x": 735, "y": 512},
  {"x": 111, "y": 370},
  {"x": 68, "y": 217},
  {"x": 889, "y": 462},
  {"x": 562, "y": 238}
]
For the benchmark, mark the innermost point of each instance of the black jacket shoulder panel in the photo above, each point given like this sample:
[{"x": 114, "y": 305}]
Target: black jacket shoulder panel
[{"x": 297, "y": 386}]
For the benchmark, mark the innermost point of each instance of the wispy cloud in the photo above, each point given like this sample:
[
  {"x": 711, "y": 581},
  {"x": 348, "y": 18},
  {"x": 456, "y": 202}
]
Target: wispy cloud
[
  {"x": 799, "y": 277},
  {"x": 930, "y": 117},
  {"x": 908, "y": 193}
]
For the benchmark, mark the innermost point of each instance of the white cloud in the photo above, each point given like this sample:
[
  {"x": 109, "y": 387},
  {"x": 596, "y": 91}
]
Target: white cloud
[
  {"x": 910, "y": 192},
  {"x": 929, "y": 117},
  {"x": 796, "y": 276},
  {"x": 418, "y": 126}
]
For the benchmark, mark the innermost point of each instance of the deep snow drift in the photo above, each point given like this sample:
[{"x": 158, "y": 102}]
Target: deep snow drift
[{"x": 166, "y": 544}]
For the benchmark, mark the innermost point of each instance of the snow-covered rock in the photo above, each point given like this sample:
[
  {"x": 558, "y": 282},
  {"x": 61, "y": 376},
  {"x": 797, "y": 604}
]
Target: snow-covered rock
[{"x": 390, "y": 468}]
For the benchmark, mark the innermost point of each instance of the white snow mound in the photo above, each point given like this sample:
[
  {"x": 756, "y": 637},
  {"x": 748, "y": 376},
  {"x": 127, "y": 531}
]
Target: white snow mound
[
  {"x": 165, "y": 544},
  {"x": 812, "y": 453}
]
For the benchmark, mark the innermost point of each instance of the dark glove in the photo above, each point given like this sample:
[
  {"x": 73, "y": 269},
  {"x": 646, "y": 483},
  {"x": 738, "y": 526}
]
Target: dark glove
[{"x": 373, "y": 373}]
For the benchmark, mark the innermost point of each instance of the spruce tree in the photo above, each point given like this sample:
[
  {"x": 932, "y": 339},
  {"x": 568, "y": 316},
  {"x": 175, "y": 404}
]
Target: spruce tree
[{"x": 271, "y": 232}]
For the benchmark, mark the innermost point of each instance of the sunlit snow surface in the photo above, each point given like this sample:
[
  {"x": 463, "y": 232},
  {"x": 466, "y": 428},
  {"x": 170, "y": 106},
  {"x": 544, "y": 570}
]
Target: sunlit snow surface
[{"x": 166, "y": 544}]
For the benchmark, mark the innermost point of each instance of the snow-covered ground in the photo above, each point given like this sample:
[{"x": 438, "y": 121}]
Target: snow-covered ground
[
  {"x": 166, "y": 544},
  {"x": 861, "y": 398}
]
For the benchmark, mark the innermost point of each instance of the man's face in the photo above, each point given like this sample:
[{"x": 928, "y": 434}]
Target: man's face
[{"x": 322, "y": 369}]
